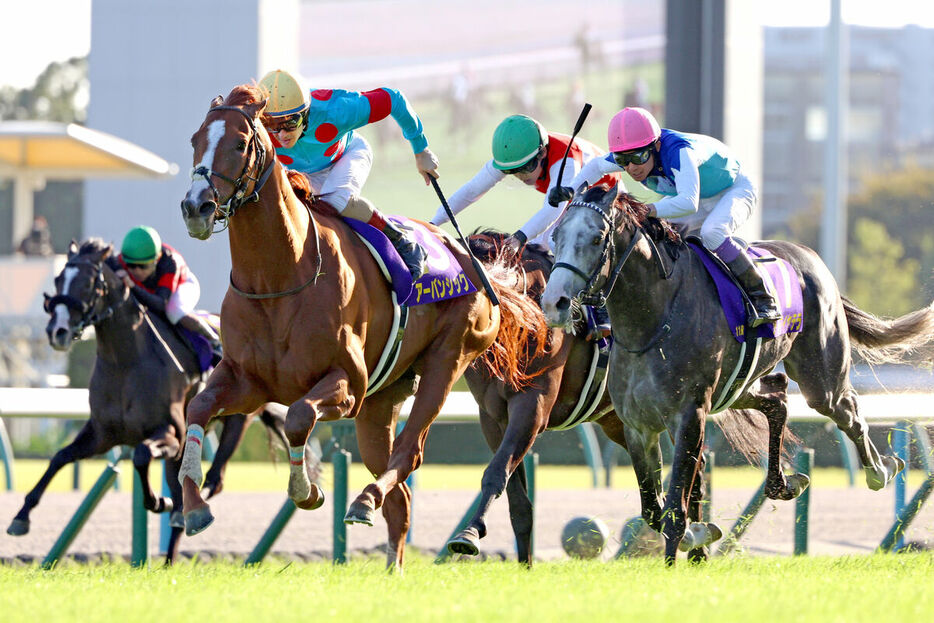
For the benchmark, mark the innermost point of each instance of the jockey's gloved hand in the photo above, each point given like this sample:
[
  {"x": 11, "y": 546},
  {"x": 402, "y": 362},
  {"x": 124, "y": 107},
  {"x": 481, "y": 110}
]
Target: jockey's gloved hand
[
  {"x": 514, "y": 243},
  {"x": 427, "y": 164},
  {"x": 558, "y": 194}
]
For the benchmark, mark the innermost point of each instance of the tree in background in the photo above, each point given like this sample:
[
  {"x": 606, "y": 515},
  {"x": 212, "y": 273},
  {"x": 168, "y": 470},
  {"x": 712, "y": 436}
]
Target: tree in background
[
  {"x": 901, "y": 202},
  {"x": 60, "y": 94}
]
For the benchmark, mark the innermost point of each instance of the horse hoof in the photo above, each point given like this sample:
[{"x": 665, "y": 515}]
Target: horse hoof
[
  {"x": 315, "y": 500},
  {"x": 465, "y": 542},
  {"x": 700, "y": 534},
  {"x": 176, "y": 520},
  {"x": 18, "y": 527},
  {"x": 198, "y": 520},
  {"x": 359, "y": 513},
  {"x": 797, "y": 483}
]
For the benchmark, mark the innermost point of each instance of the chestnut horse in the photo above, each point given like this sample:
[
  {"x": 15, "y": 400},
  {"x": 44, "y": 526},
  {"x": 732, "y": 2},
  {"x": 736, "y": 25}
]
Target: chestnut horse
[
  {"x": 512, "y": 418},
  {"x": 308, "y": 314},
  {"x": 674, "y": 351}
]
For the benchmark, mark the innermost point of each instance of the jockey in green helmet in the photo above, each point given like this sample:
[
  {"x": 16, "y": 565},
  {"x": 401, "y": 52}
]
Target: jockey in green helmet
[
  {"x": 159, "y": 278},
  {"x": 522, "y": 147}
]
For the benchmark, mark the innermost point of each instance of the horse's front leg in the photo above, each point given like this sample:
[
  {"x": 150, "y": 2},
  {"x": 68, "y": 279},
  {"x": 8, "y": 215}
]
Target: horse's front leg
[
  {"x": 647, "y": 464},
  {"x": 331, "y": 399},
  {"x": 685, "y": 468},
  {"x": 226, "y": 393}
]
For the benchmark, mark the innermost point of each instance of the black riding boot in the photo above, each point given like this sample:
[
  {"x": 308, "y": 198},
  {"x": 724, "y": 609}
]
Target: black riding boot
[
  {"x": 411, "y": 252},
  {"x": 763, "y": 302}
]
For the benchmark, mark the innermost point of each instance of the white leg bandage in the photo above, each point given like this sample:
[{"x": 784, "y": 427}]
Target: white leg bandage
[
  {"x": 191, "y": 460},
  {"x": 299, "y": 485}
]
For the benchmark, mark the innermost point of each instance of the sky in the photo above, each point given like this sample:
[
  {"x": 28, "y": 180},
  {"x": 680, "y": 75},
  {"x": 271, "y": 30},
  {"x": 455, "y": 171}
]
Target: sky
[{"x": 38, "y": 32}]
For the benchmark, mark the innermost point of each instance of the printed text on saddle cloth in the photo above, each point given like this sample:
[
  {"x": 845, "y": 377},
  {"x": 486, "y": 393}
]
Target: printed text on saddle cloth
[{"x": 445, "y": 278}]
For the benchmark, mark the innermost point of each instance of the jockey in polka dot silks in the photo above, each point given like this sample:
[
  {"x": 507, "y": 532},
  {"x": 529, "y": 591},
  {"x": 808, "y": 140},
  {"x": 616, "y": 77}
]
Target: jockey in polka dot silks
[{"x": 315, "y": 136}]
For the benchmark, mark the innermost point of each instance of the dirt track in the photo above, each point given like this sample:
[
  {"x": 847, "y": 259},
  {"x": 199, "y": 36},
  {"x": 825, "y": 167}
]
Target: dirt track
[{"x": 842, "y": 521}]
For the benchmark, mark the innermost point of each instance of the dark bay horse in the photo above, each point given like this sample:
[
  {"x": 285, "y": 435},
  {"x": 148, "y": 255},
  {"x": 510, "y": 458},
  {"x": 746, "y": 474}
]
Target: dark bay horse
[
  {"x": 512, "y": 418},
  {"x": 143, "y": 376},
  {"x": 308, "y": 314},
  {"x": 674, "y": 352}
]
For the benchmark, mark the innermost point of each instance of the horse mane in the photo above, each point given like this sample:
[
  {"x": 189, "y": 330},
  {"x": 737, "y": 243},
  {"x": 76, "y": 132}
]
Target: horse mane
[
  {"x": 95, "y": 246},
  {"x": 245, "y": 95}
]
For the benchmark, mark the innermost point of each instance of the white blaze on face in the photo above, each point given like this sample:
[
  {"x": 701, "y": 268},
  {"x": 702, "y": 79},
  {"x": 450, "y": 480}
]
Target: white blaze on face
[
  {"x": 60, "y": 314},
  {"x": 563, "y": 282},
  {"x": 215, "y": 132}
]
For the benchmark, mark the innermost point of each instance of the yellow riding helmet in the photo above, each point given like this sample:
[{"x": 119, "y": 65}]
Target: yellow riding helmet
[{"x": 285, "y": 94}]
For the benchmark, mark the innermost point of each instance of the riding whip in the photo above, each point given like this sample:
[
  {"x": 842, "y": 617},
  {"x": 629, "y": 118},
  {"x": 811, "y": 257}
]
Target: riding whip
[
  {"x": 577, "y": 128},
  {"x": 444, "y": 202}
]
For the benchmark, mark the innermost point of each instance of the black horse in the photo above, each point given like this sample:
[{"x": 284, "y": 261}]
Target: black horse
[
  {"x": 144, "y": 375},
  {"x": 511, "y": 419},
  {"x": 674, "y": 351}
]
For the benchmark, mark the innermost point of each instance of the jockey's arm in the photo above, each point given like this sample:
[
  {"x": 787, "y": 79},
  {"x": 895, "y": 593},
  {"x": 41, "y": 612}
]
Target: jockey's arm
[
  {"x": 155, "y": 302},
  {"x": 687, "y": 184},
  {"x": 548, "y": 214},
  {"x": 485, "y": 179},
  {"x": 591, "y": 172}
]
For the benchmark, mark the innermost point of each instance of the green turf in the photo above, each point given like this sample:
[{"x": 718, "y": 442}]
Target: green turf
[
  {"x": 249, "y": 477},
  {"x": 821, "y": 589}
]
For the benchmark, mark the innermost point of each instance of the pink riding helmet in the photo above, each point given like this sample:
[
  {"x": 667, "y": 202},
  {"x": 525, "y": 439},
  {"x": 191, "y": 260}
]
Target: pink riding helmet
[{"x": 632, "y": 128}]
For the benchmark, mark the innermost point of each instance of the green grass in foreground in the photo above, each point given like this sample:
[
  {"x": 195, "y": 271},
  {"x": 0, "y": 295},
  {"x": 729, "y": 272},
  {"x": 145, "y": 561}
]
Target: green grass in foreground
[
  {"x": 865, "y": 588},
  {"x": 266, "y": 476}
]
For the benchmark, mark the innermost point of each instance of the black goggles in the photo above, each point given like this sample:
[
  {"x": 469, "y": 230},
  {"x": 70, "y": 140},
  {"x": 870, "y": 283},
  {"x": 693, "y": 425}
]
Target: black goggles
[
  {"x": 137, "y": 266},
  {"x": 288, "y": 124},
  {"x": 528, "y": 167},
  {"x": 639, "y": 156}
]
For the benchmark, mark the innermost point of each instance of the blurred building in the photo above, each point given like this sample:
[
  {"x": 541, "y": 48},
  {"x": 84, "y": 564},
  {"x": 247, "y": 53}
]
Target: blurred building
[{"x": 891, "y": 110}]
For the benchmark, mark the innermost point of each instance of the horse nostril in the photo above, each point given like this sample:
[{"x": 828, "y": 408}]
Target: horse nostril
[
  {"x": 207, "y": 208},
  {"x": 563, "y": 304}
]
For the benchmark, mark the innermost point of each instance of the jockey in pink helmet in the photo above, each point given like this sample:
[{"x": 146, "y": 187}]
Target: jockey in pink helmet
[{"x": 702, "y": 185}]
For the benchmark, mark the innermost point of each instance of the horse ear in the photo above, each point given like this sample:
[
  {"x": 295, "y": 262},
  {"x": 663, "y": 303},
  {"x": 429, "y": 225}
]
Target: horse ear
[
  {"x": 107, "y": 252},
  {"x": 217, "y": 101},
  {"x": 610, "y": 197},
  {"x": 256, "y": 108},
  {"x": 72, "y": 249}
]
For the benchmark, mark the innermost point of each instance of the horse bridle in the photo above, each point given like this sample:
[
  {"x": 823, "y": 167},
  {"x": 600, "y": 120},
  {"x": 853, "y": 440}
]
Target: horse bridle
[
  {"x": 88, "y": 309},
  {"x": 591, "y": 294},
  {"x": 259, "y": 177}
]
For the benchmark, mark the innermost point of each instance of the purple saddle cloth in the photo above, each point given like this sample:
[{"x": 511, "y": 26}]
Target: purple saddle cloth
[
  {"x": 198, "y": 342},
  {"x": 786, "y": 290},
  {"x": 445, "y": 278}
]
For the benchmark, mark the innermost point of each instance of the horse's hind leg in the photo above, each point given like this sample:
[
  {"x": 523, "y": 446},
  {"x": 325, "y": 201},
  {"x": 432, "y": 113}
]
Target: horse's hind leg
[
  {"x": 836, "y": 399},
  {"x": 176, "y": 520},
  {"x": 647, "y": 464},
  {"x": 88, "y": 442},
  {"x": 375, "y": 428},
  {"x": 162, "y": 443},
  {"x": 771, "y": 398}
]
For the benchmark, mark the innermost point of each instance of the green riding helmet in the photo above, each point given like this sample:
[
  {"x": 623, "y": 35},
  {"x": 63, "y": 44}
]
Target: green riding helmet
[
  {"x": 516, "y": 140},
  {"x": 141, "y": 245}
]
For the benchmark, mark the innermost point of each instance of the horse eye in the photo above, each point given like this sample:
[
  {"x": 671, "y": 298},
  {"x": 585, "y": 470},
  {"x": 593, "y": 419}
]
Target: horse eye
[
  {"x": 596, "y": 240},
  {"x": 241, "y": 146}
]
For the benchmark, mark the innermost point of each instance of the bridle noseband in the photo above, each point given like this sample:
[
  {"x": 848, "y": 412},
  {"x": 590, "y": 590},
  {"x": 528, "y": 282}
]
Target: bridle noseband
[{"x": 238, "y": 197}]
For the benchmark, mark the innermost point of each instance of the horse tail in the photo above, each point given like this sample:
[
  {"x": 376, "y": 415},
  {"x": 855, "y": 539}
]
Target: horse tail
[
  {"x": 523, "y": 330},
  {"x": 892, "y": 340}
]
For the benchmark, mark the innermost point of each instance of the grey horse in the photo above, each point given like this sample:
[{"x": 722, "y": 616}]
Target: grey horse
[
  {"x": 143, "y": 377},
  {"x": 674, "y": 352}
]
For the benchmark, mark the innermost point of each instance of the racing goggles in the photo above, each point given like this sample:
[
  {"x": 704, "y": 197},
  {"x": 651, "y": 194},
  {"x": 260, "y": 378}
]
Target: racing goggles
[
  {"x": 638, "y": 156},
  {"x": 274, "y": 125},
  {"x": 528, "y": 167}
]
